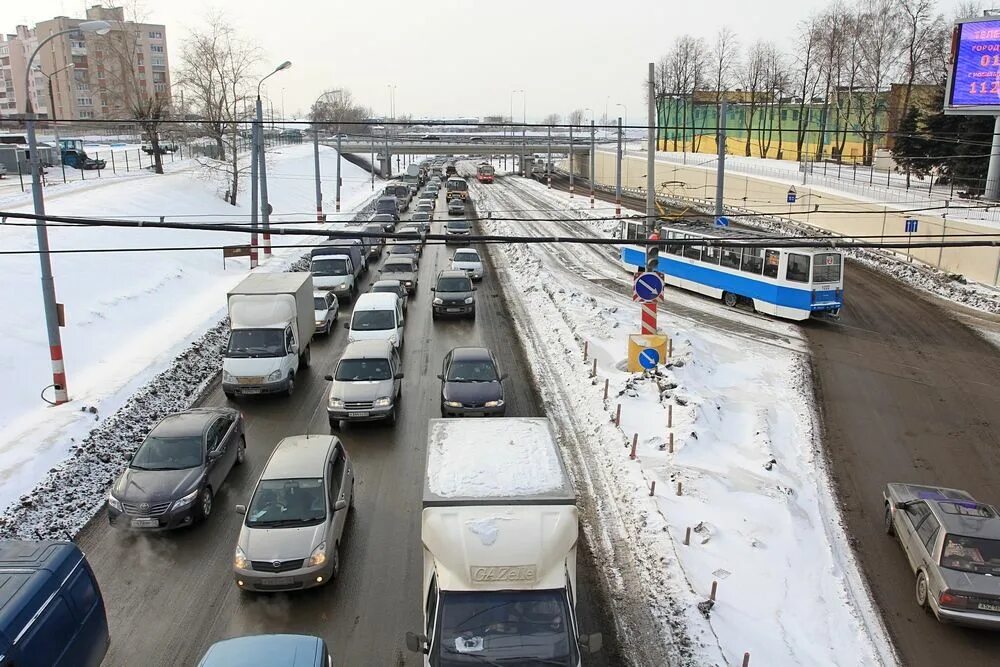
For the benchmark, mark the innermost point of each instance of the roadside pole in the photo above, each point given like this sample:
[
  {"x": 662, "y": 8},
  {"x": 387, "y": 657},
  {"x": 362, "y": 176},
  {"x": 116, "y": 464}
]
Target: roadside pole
[
  {"x": 338, "y": 172},
  {"x": 254, "y": 194},
  {"x": 373, "y": 163},
  {"x": 265, "y": 207},
  {"x": 618, "y": 173},
  {"x": 570, "y": 161},
  {"x": 993, "y": 172},
  {"x": 651, "y": 152},
  {"x": 548, "y": 161},
  {"x": 593, "y": 176},
  {"x": 720, "y": 174},
  {"x": 319, "y": 188}
]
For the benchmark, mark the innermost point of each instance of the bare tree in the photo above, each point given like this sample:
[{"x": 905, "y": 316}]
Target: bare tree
[
  {"x": 832, "y": 26},
  {"x": 552, "y": 119},
  {"x": 337, "y": 105},
  {"x": 753, "y": 79},
  {"x": 575, "y": 117},
  {"x": 848, "y": 67},
  {"x": 807, "y": 77},
  {"x": 722, "y": 65},
  {"x": 921, "y": 30},
  {"x": 879, "y": 26},
  {"x": 773, "y": 83}
]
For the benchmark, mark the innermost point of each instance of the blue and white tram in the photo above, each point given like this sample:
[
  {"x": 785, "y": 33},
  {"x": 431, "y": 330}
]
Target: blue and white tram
[{"x": 791, "y": 283}]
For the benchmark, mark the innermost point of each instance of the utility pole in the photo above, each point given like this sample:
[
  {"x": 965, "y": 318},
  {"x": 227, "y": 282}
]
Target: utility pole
[
  {"x": 338, "y": 172},
  {"x": 720, "y": 174},
  {"x": 319, "y": 187},
  {"x": 651, "y": 153},
  {"x": 265, "y": 207},
  {"x": 254, "y": 192},
  {"x": 618, "y": 173},
  {"x": 593, "y": 176},
  {"x": 570, "y": 161},
  {"x": 548, "y": 161},
  {"x": 993, "y": 172}
]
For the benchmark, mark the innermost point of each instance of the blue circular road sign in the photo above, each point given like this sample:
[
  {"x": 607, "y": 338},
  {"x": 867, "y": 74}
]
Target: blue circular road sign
[
  {"x": 648, "y": 358},
  {"x": 648, "y": 286}
]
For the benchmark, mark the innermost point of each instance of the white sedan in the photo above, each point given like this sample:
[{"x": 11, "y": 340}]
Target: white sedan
[
  {"x": 327, "y": 309},
  {"x": 468, "y": 260}
]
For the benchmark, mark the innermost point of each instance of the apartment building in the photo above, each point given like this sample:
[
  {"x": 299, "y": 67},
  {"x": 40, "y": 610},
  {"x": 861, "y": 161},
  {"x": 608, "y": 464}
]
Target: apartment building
[{"x": 84, "y": 75}]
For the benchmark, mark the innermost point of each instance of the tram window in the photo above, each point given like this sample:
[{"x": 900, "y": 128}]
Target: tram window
[
  {"x": 711, "y": 255},
  {"x": 672, "y": 248},
  {"x": 692, "y": 251},
  {"x": 826, "y": 267},
  {"x": 771, "y": 258},
  {"x": 731, "y": 258},
  {"x": 798, "y": 268},
  {"x": 752, "y": 261}
]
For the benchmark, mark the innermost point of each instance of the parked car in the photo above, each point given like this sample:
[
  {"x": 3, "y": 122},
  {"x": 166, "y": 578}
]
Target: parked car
[
  {"x": 366, "y": 385},
  {"x": 290, "y": 538},
  {"x": 468, "y": 260},
  {"x": 471, "y": 384},
  {"x": 387, "y": 220},
  {"x": 454, "y": 295},
  {"x": 268, "y": 651},
  {"x": 327, "y": 308},
  {"x": 172, "y": 478},
  {"x": 392, "y": 287},
  {"x": 456, "y": 207},
  {"x": 457, "y": 231},
  {"x": 952, "y": 543},
  {"x": 402, "y": 269}
]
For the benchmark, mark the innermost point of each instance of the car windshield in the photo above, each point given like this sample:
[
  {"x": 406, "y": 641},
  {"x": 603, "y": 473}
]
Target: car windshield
[
  {"x": 472, "y": 370},
  {"x": 390, "y": 289},
  {"x": 158, "y": 453},
  {"x": 256, "y": 343},
  {"x": 397, "y": 267},
  {"x": 319, "y": 303},
  {"x": 420, "y": 215},
  {"x": 403, "y": 249},
  {"x": 362, "y": 370},
  {"x": 466, "y": 256},
  {"x": 458, "y": 226},
  {"x": 382, "y": 217},
  {"x": 287, "y": 503},
  {"x": 373, "y": 320},
  {"x": 454, "y": 285},
  {"x": 971, "y": 554},
  {"x": 328, "y": 267},
  {"x": 826, "y": 267},
  {"x": 526, "y": 628}
]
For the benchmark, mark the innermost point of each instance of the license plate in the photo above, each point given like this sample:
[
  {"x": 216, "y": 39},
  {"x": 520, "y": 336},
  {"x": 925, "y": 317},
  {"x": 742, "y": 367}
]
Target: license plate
[
  {"x": 276, "y": 581},
  {"x": 252, "y": 390},
  {"x": 250, "y": 380},
  {"x": 145, "y": 523},
  {"x": 357, "y": 414},
  {"x": 985, "y": 606},
  {"x": 453, "y": 310}
]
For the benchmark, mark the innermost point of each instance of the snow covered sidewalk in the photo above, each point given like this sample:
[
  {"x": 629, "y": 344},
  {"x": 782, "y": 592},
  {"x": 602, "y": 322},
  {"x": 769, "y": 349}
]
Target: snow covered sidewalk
[{"x": 745, "y": 475}]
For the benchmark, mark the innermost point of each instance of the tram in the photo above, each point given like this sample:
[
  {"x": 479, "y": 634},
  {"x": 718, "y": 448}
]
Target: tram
[{"x": 790, "y": 283}]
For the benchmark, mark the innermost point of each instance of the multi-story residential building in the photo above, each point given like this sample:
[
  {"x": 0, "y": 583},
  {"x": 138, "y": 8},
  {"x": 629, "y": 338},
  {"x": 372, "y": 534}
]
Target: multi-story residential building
[{"x": 89, "y": 75}]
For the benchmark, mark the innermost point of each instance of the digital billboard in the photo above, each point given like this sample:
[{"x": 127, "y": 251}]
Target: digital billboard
[{"x": 974, "y": 78}]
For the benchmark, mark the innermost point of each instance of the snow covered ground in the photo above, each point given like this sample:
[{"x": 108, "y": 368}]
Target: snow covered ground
[
  {"x": 128, "y": 313},
  {"x": 745, "y": 475}
]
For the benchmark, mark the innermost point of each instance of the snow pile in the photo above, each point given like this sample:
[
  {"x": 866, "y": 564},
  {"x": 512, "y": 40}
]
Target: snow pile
[
  {"x": 745, "y": 475},
  {"x": 479, "y": 459}
]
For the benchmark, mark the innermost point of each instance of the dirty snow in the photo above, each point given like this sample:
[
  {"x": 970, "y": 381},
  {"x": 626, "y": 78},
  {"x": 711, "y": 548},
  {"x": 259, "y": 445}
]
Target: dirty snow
[
  {"x": 746, "y": 473},
  {"x": 472, "y": 458}
]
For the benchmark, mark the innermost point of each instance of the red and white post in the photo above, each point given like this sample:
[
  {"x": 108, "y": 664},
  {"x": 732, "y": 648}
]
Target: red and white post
[
  {"x": 649, "y": 308},
  {"x": 59, "y": 374}
]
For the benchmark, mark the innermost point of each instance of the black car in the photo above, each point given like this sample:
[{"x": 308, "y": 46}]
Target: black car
[
  {"x": 457, "y": 231},
  {"x": 374, "y": 244},
  {"x": 173, "y": 477},
  {"x": 454, "y": 295},
  {"x": 387, "y": 220},
  {"x": 471, "y": 384}
]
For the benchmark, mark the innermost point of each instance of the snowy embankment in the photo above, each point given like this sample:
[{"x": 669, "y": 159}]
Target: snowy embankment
[
  {"x": 129, "y": 314},
  {"x": 745, "y": 474}
]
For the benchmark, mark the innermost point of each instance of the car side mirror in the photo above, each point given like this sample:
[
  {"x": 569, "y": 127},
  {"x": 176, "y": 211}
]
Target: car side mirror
[
  {"x": 504, "y": 376},
  {"x": 328, "y": 378},
  {"x": 593, "y": 643},
  {"x": 473, "y": 289},
  {"x": 434, "y": 289},
  {"x": 416, "y": 643},
  {"x": 347, "y": 325},
  {"x": 902, "y": 505},
  {"x": 241, "y": 509},
  {"x": 339, "y": 505},
  {"x": 214, "y": 454},
  {"x": 440, "y": 376},
  {"x": 397, "y": 376}
]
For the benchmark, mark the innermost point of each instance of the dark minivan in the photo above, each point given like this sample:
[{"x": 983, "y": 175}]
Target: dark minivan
[
  {"x": 51, "y": 608},
  {"x": 454, "y": 295},
  {"x": 388, "y": 205}
]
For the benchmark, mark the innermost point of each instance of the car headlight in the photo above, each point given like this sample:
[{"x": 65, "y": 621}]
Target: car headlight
[
  {"x": 438, "y": 301},
  {"x": 336, "y": 403},
  {"x": 383, "y": 402},
  {"x": 469, "y": 299},
  {"x": 320, "y": 323},
  {"x": 228, "y": 377},
  {"x": 453, "y": 404},
  {"x": 273, "y": 377},
  {"x": 494, "y": 404},
  {"x": 408, "y": 283},
  {"x": 341, "y": 287},
  {"x": 240, "y": 560},
  {"x": 115, "y": 503},
  {"x": 318, "y": 556},
  {"x": 186, "y": 500},
  {"x": 394, "y": 339}
]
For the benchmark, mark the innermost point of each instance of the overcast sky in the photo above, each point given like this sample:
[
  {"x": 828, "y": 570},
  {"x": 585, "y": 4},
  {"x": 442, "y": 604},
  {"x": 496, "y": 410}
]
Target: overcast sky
[{"x": 463, "y": 57}]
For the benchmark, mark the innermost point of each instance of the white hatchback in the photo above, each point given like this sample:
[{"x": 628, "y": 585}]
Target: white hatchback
[{"x": 468, "y": 260}]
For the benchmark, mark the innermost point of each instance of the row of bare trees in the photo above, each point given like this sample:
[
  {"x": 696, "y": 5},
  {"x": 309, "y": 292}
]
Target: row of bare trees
[{"x": 836, "y": 76}]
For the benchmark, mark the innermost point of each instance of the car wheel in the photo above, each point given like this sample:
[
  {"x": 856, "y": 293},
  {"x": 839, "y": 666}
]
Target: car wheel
[
  {"x": 434, "y": 315},
  {"x": 241, "y": 452},
  {"x": 921, "y": 589},
  {"x": 730, "y": 299},
  {"x": 335, "y": 560},
  {"x": 291, "y": 384},
  {"x": 391, "y": 419},
  {"x": 889, "y": 529},
  {"x": 307, "y": 357},
  {"x": 205, "y": 502},
  {"x": 230, "y": 395}
]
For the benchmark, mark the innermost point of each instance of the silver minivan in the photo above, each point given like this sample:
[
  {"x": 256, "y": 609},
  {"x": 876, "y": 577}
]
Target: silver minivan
[
  {"x": 290, "y": 538},
  {"x": 366, "y": 385}
]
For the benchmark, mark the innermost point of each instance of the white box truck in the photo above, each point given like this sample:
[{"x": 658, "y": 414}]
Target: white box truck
[
  {"x": 271, "y": 326},
  {"x": 499, "y": 529}
]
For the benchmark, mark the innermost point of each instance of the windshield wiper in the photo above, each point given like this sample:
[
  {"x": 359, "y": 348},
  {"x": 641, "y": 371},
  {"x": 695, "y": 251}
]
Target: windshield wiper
[{"x": 481, "y": 658}]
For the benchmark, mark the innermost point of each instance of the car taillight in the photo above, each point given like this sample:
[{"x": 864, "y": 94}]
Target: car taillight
[{"x": 949, "y": 599}]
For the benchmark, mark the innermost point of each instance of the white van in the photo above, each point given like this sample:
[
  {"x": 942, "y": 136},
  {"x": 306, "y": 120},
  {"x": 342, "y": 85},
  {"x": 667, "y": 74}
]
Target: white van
[{"x": 377, "y": 316}]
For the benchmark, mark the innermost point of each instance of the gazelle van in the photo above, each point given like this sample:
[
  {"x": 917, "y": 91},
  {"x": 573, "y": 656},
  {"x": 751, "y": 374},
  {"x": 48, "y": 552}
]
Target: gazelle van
[{"x": 377, "y": 316}]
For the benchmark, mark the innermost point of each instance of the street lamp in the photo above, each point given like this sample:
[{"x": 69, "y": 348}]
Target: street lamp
[
  {"x": 256, "y": 162},
  {"x": 48, "y": 284},
  {"x": 523, "y": 119},
  {"x": 52, "y": 104}
]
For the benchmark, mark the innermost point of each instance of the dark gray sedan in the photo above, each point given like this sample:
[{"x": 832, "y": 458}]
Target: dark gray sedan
[
  {"x": 173, "y": 477},
  {"x": 952, "y": 543},
  {"x": 471, "y": 384}
]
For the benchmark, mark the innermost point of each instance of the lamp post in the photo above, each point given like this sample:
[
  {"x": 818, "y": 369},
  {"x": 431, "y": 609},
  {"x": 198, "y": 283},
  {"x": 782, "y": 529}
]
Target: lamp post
[
  {"x": 512, "y": 93},
  {"x": 265, "y": 207},
  {"x": 52, "y": 109},
  {"x": 38, "y": 199},
  {"x": 625, "y": 129}
]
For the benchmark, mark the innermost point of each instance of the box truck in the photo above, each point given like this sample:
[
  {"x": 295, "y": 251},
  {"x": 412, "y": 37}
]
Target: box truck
[
  {"x": 499, "y": 528},
  {"x": 338, "y": 266},
  {"x": 271, "y": 326}
]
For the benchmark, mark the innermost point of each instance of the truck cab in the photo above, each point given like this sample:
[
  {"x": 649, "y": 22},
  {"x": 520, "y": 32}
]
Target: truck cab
[{"x": 499, "y": 531}]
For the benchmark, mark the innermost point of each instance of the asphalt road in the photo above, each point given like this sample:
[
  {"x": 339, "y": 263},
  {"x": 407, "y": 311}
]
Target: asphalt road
[
  {"x": 169, "y": 596},
  {"x": 908, "y": 394}
]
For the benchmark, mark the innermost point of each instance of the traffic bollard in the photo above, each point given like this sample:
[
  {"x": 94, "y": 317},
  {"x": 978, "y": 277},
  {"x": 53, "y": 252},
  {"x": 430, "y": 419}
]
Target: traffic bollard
[
  {"x": 593, "y": 371},
  {"x": 618, "y": 415},
  {"x": 680, "y": 489},
  {"x": 711, "y": 596},
  {"x": 746, "y": 659},
  {"x": 635, "y": 442},
  {"x": 687, "y": 536},
  {"x": 670, "y": 443},
  {"x": 606, "y": 381},
  {"x": 652, "y": 488},
  {"x": 670, "y": 415},
  {"x": 586, "y": 345}
]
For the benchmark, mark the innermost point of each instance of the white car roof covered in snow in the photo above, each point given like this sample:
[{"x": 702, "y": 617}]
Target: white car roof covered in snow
[
  {"x": 272, "y": 283},
  {"x": 258, "y": 311},
  {"x": 501, "y": 461}
]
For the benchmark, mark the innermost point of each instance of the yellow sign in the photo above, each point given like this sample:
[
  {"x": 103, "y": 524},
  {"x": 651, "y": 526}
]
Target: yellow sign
[{"x": 639, "y": 342}]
